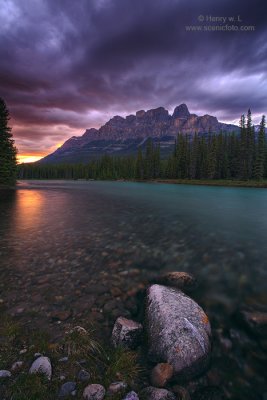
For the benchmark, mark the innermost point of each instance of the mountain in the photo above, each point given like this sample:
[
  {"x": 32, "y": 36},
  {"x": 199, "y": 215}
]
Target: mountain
[{"x": 123, "y": 136}]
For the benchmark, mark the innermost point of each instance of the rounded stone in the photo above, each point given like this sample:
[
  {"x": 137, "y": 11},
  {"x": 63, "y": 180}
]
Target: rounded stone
[
  {"x": 94, "y": 392},
  {"x": 161, "y": 374},
  {"x": 5, "y": 374},
  {"x": 117, "y": 387},
  {"x": 17, "y": 365},
  {"x": 131, "y": 396},
  {"x": 67, "y": 389},
  {"x": 180, "y": 280},
  {"x": 178, "y": 331},
  {"x": 152, "y": 393},
  {"x": 83, "y": 375},
  {"x": 42, "y": 365}
]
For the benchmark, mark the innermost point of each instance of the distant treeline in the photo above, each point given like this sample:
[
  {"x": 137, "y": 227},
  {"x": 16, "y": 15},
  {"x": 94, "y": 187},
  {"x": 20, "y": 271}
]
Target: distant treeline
[{"x": 214, "y": 156}]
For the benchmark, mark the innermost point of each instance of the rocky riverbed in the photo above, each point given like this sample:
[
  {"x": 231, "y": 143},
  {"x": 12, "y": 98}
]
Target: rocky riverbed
[
  {"x": 84, "y": 253},
  {"x": 168, "y": 352}
]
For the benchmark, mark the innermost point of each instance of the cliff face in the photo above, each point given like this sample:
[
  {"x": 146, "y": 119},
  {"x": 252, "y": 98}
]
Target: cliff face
[{"x": 124, "y": 135}]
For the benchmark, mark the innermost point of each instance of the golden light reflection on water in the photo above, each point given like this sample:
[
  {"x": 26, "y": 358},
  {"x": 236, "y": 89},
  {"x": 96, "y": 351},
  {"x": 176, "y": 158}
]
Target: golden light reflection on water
[{"x": 28, "y": 208}]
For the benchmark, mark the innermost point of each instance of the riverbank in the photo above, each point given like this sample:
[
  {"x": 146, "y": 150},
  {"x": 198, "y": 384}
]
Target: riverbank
[
  {"x": 156, "y": 355},
  {"x": 213, "y": 182},
  {"x": 200, "y": 182}
]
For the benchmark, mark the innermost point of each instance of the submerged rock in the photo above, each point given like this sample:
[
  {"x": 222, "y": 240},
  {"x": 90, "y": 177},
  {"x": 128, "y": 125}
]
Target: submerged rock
[
  {"x": 152, "y": 393},
  {"x": 161, "y": 374},
  {"x": 94, "y": 392},
  {"x": 180, "y": 280},
  {"x": 178, "y": 331},
  {"x": 255, "y": 321},
  {"x": 126, "y": 333},
  {"x": 42, "y": 365}
]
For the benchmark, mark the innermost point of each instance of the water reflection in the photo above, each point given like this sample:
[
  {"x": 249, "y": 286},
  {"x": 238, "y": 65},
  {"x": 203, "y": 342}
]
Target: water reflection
[{"x": 29, "y": 209}]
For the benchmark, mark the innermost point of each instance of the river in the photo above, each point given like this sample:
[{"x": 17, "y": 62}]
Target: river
[{"x": 75, "y": 250}]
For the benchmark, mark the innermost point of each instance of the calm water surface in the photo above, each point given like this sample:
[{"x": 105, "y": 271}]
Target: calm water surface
[{"x": 80, "y": 250}]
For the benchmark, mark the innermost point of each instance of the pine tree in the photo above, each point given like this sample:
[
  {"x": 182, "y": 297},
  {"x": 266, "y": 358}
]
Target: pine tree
[
  {"x": 8, "y": 152},
  {"x": 148, "y": 162},
  {"x": 250, "y": 145},
  {"x": 243, "y": 153},
  {"x": 212, "y": 147},
  {"x": 193, "y": 168},
  {"x": 260, "y": 151},
  {"x": 139, "y": 167}
]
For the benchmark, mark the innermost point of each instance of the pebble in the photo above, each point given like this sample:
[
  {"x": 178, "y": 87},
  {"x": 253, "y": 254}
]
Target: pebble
[
  {"x": 152, "y": 393},
  {"x": 42, "y": 365},
  {"x": 94, "y": 392},
  {"x": 5, "y": 374},
  {"x": 67, "y": 389},
  {"x": 116, "y": 387},
  {"x": 131, "y": 396},
  {"x": 83, "y": 375},
  {"x": 17, "y": 365},
  {"x": 63, "y": 359}
]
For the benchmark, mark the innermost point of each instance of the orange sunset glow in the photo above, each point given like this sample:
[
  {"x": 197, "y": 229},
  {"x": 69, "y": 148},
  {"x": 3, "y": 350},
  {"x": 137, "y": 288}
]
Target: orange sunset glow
[{"x": 29, "y": 158}]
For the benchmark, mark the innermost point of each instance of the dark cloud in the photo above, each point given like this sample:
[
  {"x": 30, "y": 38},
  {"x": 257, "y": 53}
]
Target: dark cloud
[{"x": 68, "y": 65}]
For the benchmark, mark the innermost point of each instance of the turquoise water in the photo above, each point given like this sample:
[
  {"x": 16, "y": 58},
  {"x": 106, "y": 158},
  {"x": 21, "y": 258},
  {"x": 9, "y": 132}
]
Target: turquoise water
[{"x": 72, "y": 245}]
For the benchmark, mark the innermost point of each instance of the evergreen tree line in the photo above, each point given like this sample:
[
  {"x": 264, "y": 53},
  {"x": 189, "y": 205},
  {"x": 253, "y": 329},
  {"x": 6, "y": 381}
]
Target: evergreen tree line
[
  {"x": 214, "y": 156},
  {"x": 8, "y": 152}
]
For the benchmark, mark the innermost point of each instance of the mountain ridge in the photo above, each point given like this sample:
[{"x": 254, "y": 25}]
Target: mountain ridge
[{"x": 123, "y": 135}]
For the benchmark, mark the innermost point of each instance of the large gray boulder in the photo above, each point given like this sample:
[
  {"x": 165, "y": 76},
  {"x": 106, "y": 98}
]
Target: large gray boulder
[{"x": 178, "y": 331}]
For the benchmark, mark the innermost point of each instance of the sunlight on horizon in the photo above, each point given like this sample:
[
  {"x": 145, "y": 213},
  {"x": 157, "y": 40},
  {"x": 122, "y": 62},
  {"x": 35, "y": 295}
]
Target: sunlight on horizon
[{"x": 28, "y": 159}]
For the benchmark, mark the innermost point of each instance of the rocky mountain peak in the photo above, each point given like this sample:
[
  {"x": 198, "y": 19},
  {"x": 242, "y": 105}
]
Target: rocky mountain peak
[
  {"x": 123, "y": 135},
  {"x": 181, "y": 111}
]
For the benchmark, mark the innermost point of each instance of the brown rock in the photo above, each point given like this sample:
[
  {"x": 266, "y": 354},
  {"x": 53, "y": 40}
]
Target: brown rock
[
  {"x": 161, "y": 374},
  {"x": 255, "y": 321},
  {"x": 61, "y": 315},
  {"x": 180, "y": 280}
]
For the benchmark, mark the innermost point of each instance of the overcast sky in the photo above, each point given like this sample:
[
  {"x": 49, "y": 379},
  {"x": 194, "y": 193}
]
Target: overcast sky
[{"x": 69, "y": 65}]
